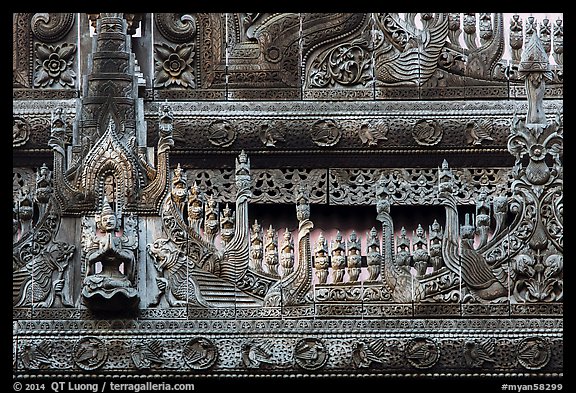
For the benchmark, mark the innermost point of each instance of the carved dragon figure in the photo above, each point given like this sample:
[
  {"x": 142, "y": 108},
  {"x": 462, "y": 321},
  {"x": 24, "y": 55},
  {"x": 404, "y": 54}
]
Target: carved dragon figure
[{"x": 465, "y": 260}]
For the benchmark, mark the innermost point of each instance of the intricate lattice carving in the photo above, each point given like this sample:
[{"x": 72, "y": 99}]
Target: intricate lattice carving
[{"x": 414, "y": 186}]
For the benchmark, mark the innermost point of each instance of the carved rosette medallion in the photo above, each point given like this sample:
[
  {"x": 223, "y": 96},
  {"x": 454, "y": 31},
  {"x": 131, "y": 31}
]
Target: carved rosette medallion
[
  {"x": 310, "y": 354},
  {"x": 427, "y": 132},
  {"x": 222, "y": 133},
  {"x": 422, "y": 352},
  {"x": 200, "y": 353},
  {"x": 90, "y": 353},
  {"x": 533, "y": 353},
  {"x": 326, "y": 133}
]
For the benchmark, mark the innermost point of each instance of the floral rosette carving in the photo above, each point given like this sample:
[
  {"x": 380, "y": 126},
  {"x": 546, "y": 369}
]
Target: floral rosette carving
[
  {"x": 537, "y": 142},
  {"x": 54, "y": 65},
  {"x": 174, "y": 65}
]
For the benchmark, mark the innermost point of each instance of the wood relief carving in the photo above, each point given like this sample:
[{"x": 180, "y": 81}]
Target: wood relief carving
[{"x": 286, "y": 194}]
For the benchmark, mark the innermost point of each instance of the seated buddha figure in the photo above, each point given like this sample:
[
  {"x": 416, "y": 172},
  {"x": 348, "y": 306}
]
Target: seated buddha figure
[{"x": 108, "y": 284}]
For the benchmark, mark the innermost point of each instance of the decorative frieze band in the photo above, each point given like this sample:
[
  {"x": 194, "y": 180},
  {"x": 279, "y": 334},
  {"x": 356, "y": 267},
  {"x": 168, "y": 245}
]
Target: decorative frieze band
[{"x": 286, "y": 353}]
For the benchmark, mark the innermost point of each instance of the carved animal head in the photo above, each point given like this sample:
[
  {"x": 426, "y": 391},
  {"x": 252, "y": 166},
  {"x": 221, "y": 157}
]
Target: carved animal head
[{"x": 165, "y": 254}]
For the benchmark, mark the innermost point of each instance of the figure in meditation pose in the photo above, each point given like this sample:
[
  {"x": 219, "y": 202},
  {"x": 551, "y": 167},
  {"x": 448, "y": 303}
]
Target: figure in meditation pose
[{"x": 110, "y": 288}]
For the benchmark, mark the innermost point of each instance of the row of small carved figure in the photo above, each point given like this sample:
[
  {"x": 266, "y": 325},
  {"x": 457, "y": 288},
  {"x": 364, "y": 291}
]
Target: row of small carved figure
[
  {"x": 265, "y": 257},
  {"x": 426, "y": 254},
  {"x": 200, "y": 353}
]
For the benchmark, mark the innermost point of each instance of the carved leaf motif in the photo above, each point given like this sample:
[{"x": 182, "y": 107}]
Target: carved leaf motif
[
  {"x": 51, "y": 27},
  {"x": 176, "y": 27}
]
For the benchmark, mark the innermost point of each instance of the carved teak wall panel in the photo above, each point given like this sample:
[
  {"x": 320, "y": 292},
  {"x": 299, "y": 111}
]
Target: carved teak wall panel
[{"x": 177, "y": 178}]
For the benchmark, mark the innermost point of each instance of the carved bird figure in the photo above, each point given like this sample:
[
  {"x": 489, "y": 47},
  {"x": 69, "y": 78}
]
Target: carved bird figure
[
  {"x": 27, "y": 356},
  {"x": 479, "y": 131},
  {"x": 255, "y": 355},
  {"x": 467, "y": 261},
  {"x": 363, "y": 355},
  {"x": 269, "y": 136},
  {"x": 476, "y": 353},
  {"x": 145, "y": 354},
  {"x": 326, "y": 133},
  {"x": 223, "y": 134},
  {"x": 308, "y": 353},
  {"x": 88, "y": 352},
  {"x": 43, "y": 353},
  {"x": 421, "y": 352},
  {"x": 408, "y": 55},
  {"x": 372, "y": 133},
  {"x": 533, "y": 352},
  {"x": 197, "y": 352},
  {"x": 478, "y": 274}
]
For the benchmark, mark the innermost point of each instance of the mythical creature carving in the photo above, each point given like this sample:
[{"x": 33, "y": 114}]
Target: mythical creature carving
[
  {"x": 404, "y": 54},
  {"x": 464, "y": 258},
  {"x": 39, "y": 261},
  {"x": 172, "y": 265},
  {"x": 177, "y": 255},
  {"x": 39, "y": 265}
]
